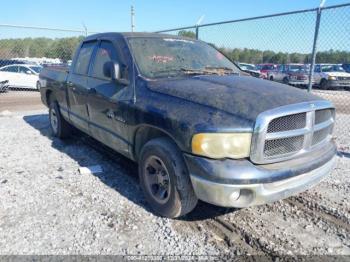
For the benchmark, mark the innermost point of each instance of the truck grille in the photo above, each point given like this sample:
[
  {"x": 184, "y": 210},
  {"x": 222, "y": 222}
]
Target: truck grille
[{"x": 285, "y": 132}]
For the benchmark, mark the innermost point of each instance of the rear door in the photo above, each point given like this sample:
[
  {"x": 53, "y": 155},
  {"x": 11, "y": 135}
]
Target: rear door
[
  {"x": 107, "y": 103},
  {"x": 77, "y": 86}
]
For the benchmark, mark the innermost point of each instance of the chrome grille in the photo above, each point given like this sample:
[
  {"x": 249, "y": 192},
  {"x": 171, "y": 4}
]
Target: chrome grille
[
  {"x": 285, "y": 132},
  {"x": 283, "y": 146},
  {"x": 286, "y": 123}
]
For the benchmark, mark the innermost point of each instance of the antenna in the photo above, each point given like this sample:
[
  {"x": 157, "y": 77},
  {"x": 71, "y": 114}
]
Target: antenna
[
  {"x": 200, "y": 20},
  {"x": 85, "y": 28},
  {"x": 132, "y": 19}
]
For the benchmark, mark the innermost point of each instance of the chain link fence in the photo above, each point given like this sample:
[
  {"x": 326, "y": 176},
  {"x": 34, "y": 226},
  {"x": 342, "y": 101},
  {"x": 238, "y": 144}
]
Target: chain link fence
[
  {"x": 308, "y": 49},
  {"x": 282, "y": 47}
]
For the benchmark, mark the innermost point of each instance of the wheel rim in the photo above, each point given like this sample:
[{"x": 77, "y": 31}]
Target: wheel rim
[
  {"x": 157, "y": 179},
  {"x": 53, "y": 120},
  {"x": 38, "y": 86}
]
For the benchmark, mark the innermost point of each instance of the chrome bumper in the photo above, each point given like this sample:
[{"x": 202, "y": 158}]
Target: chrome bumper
[{"x": 244, "y": 195}]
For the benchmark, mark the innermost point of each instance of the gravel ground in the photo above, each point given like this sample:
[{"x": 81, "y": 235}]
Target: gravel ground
[{"x": 47, "y": 207}]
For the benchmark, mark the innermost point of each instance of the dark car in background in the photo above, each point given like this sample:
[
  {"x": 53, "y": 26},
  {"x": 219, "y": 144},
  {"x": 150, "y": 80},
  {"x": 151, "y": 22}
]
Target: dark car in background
[
  {"x": 346, "y": 67},
  {"x": 6, "y": 62}
]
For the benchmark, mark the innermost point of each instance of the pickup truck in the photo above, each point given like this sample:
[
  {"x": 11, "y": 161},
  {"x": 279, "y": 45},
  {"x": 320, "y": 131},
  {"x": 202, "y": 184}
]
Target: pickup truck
[
  {"x": 196, "y": 126},
  {"x": 290, "y": 74},
  {"x": 331, "y": 76}
]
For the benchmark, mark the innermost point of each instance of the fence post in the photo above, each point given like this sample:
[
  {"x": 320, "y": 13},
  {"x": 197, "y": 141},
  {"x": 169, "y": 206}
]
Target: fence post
[
  {"x": 314, "y": 48},
  {"x": 197, "y": 32}
]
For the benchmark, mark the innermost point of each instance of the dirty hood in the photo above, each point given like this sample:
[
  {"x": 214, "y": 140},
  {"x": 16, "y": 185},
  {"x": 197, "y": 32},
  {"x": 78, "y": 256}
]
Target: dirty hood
[{"x": 243, "y": 96}]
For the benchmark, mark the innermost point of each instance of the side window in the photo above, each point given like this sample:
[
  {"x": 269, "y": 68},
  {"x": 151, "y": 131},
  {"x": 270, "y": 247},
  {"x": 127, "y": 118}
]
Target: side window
[
  {"x": 23, "y": 70},
  {"x": 105, "y": 53},
  {"x": 318, "y": 69},
  {"x": 82, "y": 64},
  {"x": 12, "y": 69}
]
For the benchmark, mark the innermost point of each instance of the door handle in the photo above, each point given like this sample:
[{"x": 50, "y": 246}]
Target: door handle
[
  {"x": 110, "y": 114},
  {"x": 92, "y": 91}
]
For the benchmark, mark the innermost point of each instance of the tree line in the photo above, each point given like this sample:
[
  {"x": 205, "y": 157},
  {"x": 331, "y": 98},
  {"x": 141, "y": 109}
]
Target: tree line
[
  {"x": 255, "y": 56},
  {"x": 64, "y": 49}
]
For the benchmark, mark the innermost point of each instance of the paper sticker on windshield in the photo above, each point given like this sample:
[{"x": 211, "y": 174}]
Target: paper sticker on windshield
[
  {"x": 161, "y": 58},
  {"x": 178, "y": 40}
]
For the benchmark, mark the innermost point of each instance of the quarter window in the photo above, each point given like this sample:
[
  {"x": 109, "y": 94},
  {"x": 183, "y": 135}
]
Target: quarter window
[{"x": 82, "y": 65}]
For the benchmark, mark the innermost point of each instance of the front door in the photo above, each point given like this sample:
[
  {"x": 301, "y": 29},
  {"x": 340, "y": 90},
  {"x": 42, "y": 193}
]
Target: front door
[
  {"x": 77, "y": 87},
  {"x": 107, "y": 102}
]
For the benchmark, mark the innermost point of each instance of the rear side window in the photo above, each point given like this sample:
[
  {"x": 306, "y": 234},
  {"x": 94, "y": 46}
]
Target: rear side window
[
  {"x": 105, "y": 53},
  {"x": 82, "y": 65},
  {"x": 12, "y": 69}
]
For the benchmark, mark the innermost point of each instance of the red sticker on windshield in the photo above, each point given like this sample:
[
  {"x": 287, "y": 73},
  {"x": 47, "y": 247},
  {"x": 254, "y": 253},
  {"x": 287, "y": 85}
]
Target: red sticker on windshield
[
  {"x": 219, "y": 56},
  {"x": 161, "y": 58}
]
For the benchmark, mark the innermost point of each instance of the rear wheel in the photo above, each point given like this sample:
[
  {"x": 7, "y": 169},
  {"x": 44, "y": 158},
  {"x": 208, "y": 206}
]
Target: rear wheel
[
  {"x": 271, "y": 78},
  {"x": 59, "y": 126},
  {"x": 286, "y": 80},
  {"x": 165, "y": 180}
]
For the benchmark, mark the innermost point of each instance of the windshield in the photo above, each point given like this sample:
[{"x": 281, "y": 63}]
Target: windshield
[
  {"x": 36, "y": 69},
  {"x": 165, "y": 57},
  {"x": 295, "y": 68},
  {"x": 332, "y": 68}
]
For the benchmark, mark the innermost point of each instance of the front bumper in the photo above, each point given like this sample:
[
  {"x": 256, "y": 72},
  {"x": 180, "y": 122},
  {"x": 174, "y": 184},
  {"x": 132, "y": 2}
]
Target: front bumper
[
  {"x": 239, "y": 183},
  {"x": 298, "y": 82},
  {"x": 339, "y": 83}
]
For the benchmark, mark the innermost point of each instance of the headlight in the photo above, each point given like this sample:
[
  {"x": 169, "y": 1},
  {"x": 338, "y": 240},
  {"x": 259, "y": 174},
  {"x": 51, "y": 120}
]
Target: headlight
[
  {"x": 332, "y": 78},
  {"x": 222, "y": 145}
]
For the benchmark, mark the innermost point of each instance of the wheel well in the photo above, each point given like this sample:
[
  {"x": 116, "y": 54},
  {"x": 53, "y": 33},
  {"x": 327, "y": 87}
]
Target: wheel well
[
  {"x": 145, "y": 134},
  {"x": 48, "y": 97}
]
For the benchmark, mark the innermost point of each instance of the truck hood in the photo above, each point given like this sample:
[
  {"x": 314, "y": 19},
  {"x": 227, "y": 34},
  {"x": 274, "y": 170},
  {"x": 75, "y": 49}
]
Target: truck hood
[{"x": 242, "y": 96}]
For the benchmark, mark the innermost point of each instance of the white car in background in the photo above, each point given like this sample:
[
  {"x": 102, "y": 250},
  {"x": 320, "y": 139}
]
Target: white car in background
[
  {"x": 331, "y": 76},
  {"x": 21, "y": 75}
]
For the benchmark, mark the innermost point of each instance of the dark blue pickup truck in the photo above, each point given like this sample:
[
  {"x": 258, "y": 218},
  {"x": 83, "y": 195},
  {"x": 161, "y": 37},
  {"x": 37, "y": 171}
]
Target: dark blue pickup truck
[{"x": 198, "y": 127}]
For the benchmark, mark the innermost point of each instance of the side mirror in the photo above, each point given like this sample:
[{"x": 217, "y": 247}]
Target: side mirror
[{"x": 112, "y": 70}]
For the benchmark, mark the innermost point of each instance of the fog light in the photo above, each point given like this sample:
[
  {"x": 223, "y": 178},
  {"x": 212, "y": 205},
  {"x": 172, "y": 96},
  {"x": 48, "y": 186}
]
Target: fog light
[{"x": 235, "y": 195}]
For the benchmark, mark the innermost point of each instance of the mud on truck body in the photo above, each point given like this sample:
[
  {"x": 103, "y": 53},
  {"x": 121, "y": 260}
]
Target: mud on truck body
[{"x": 197, "y": 127}]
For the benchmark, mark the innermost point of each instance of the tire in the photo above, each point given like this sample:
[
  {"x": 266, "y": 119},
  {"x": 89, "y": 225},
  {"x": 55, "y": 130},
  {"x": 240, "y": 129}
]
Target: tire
[
  {"x": 324, "y": 84},
  {"x": 59, "y": 126},
  {"x": 180, "y": 198},
  {"x": 38, "y": 86},
  {"x": 286, "y": 81},
  {"x": 271, "y": 78}
]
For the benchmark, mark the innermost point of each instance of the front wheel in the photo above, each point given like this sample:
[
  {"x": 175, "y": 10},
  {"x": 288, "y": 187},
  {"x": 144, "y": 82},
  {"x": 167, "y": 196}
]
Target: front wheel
[
  {"x": 324, "y": 84},
  {"x": 38, "y": 85},
  {"x": 165, "y": 180},
  {"x": 286, "y": 80},
  {"x": 59, "y": 126}
]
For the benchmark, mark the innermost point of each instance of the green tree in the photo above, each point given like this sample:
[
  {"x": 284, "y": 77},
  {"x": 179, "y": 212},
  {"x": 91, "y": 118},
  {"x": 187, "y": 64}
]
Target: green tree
[{"x": 186, "y": 33}]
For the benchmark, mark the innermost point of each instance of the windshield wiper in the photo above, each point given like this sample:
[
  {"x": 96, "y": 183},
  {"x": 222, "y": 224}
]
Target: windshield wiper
[
  {"x": 190, "y": 71},
  {"x": 221, "y": 70}
]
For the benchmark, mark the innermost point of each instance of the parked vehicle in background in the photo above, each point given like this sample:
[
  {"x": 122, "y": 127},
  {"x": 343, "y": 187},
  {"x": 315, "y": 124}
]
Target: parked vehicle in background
[
  {"x": 265, "y": 69},
  {"x": 5, "y": 62},
  {"x": 331, "y": 76},
  {"x": 4, "y": 86},
  {"x": 290, "y": 74},
  {"x": 250, "y": 69},
  {"x": 346, "y": 67},
  {"x": 21, "y": 75},
  {"x": 197, "y": 127}
]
